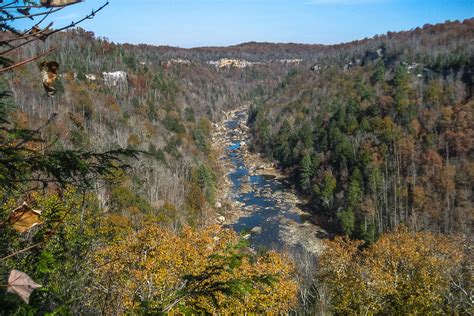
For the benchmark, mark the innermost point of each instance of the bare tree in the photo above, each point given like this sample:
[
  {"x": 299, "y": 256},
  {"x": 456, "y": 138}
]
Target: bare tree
[{"x": 37, "y": 12}]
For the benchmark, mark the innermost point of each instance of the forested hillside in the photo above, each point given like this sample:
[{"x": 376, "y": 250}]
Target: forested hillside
[
  {"x": 380, "y": 133},
  {"x": 108, "y": 179},
  {"x": 115, "y": 150},
  {"x": 120, "y": 96}
]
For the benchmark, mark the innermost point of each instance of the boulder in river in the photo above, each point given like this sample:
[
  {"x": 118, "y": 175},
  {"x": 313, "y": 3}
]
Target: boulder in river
[
  {"x": 256, "y": 230},
  {"x": 245, "y": 188},
  {"x": 266, "y": 193}
]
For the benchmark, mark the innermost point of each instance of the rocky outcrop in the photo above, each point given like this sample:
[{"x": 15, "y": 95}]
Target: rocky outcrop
[
  {"x": 177, "y": 61},
  {"x": 232, "y": 63},
  {"x": 116, "y": 79},
  {"x": 91, "y": 77}
]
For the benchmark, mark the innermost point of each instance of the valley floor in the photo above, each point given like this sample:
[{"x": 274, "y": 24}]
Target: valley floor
[{"x": 256, "y": 199}]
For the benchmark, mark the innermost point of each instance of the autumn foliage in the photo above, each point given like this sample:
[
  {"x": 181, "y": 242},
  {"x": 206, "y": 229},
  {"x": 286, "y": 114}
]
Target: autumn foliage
[
  {"x": 208, "y": 271},
  {"x": 373, "y": 143},
  {"x": 402, "y": 273},
  {"x": 379, "y": 134}
]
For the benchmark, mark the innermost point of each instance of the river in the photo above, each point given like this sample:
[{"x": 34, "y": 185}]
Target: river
[{"x": 263, "y": 206}]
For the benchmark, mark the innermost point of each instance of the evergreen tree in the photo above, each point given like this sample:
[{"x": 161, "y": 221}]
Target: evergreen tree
[
  {"x": 306, "y": 172},
  {"x": 347, "y": 221}
]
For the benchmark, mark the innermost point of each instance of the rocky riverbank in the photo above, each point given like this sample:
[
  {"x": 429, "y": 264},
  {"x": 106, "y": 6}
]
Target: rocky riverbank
[{"x": 254, "y": 196}]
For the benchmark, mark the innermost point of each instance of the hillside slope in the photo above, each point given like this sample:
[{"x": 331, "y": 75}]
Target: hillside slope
[{"x": 383, "y": 139}]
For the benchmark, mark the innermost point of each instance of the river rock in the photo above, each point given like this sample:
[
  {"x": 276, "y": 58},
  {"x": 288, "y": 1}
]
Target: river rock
[
  {"x": 283, "y": 200},
  {"x": 266, "y": 193},
  {"x": 245, "y": 188},
  {"x": 256, "y": 230}
]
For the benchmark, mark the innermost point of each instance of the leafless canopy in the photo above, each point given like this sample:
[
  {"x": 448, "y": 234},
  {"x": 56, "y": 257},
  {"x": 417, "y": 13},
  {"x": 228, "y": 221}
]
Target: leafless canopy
[{"x": 38, "y": 12}]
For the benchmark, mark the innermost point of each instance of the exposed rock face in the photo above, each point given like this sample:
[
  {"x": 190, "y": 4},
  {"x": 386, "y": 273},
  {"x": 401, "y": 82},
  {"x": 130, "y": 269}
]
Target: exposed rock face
[
  {"x": 294, "y": 61},
  {"x": 177, "y": 61},
  {"x": 231, "y": 63},
  {"x": 115, "y": 79},
  {"x": 91, "y": 77}
]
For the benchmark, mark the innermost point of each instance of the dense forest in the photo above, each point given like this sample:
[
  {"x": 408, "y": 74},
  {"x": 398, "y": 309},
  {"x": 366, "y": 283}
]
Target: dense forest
[
  {"x": 385, "y": 139},
  {"x": 114, "y": 171}
]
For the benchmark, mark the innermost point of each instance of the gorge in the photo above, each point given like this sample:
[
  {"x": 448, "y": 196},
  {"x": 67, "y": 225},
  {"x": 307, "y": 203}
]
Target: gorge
[{"x": 259, "y": 178}]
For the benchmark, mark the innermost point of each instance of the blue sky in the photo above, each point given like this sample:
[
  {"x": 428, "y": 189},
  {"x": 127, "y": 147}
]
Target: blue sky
[{"x": 192, "y": 23}]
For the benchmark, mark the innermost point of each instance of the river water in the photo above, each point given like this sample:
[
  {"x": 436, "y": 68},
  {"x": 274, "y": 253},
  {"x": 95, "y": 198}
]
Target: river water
[{"x": 272, "y": 217}]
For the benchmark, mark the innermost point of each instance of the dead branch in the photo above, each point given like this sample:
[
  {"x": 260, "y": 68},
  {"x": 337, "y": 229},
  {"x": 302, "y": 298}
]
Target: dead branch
[
  {"x": 27, "y": 60},
  {"x": 73, "y": 24}
]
